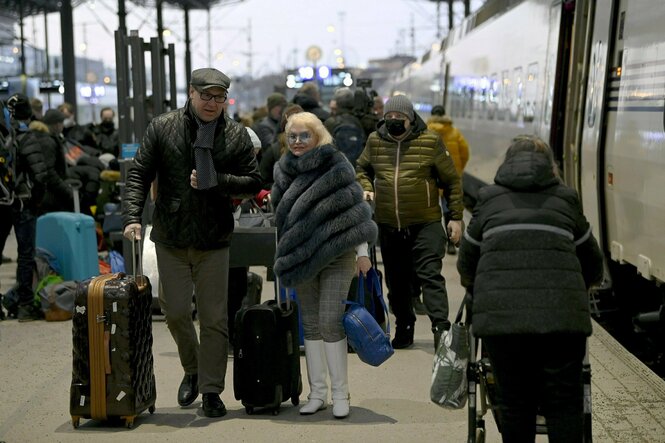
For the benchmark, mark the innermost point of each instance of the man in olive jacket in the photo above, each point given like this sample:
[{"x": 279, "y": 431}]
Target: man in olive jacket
[
  {"x": 402, "y": 168},
  {"x": 201, "y": 158}
]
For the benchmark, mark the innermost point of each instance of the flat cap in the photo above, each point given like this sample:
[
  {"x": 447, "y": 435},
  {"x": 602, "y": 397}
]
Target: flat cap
[
  {"x": 205, "y": 78},
  {"x": 53, "y": 116}
]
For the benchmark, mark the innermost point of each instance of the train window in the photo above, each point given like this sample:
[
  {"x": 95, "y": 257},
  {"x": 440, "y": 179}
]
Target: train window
[
  {"x": 493, "y": 96},
  {"x": 504, "y": 99},
  {"x": 530, "y": 92},
  {"x": 516, "y": 94}
]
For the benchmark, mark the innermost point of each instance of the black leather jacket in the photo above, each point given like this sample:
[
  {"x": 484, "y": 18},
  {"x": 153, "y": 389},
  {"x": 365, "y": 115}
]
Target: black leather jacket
[{"x": 184, "y": 216}]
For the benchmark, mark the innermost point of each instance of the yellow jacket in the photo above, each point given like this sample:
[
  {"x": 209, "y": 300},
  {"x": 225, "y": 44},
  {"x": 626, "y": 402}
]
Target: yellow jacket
[{"x": 452, "y": 138}]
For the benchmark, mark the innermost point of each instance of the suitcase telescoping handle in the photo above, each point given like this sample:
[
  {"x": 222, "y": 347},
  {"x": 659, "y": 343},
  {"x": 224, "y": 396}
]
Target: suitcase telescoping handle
[
  {"x": 140, "y": 263},
  {"x": 278, "y": 285},
  {"x": 75, "y": 184},
  {"x": 140, "y": 279}
]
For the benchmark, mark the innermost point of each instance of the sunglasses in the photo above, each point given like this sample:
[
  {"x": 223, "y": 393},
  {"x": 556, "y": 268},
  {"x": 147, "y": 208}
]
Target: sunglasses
[{"x": 304, "y": 137}]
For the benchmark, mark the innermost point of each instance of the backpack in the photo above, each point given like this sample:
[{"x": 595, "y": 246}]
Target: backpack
[
  {"x": 57, "y": 299},
  {"x": 349, "y": 139}
]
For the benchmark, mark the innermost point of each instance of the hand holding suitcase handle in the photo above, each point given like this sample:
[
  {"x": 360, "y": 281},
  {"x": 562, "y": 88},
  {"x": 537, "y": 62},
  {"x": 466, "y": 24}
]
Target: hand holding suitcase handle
[{"x": 132, "y": 232}]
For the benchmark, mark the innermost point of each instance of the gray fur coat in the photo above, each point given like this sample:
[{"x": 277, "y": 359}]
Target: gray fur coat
[{"x": 319, "y": 211}]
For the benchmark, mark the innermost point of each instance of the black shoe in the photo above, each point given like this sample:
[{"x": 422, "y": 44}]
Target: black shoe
[
  {"x": 28, "y": 313},
  {"x": 419, "y": 306},
  {"x": 189, "y": 390},
  {"x": 213, "y": 406},
  {"x": 451, "y": 249},
  {"x": 403, "y": 337}
]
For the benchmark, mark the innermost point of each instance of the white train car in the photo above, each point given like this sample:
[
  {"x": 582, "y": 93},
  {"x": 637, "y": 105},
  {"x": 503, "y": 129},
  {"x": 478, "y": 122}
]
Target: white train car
[{"x": 589, "y": 77}]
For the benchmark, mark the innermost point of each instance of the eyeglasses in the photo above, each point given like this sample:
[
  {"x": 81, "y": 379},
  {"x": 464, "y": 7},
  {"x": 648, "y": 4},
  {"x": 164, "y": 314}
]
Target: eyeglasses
[
  {"x": 221, "y": 98},
  {"x": 304, "y": 137}
]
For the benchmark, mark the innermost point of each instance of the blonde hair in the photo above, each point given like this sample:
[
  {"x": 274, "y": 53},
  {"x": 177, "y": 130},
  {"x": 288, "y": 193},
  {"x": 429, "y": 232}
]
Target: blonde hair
[{"x": 313, "y": 123}]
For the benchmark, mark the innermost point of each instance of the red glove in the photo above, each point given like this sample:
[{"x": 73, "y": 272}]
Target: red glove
[{"x": 262, "y": 197}]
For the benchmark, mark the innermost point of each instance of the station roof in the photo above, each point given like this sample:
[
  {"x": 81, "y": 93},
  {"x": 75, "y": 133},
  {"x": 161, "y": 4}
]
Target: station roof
[
  {"x": 191, "y": 4},
  {"x": 31, "y": 7}
]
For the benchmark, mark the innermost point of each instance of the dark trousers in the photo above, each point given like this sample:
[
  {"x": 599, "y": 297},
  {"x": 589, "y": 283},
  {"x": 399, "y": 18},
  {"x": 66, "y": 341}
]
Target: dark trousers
[
  {"x": 417, "y": 249},
  {"x": 183, "y": 272},
  {"x": 539, "y": 374},
  {"x": 24, "y": 221}
]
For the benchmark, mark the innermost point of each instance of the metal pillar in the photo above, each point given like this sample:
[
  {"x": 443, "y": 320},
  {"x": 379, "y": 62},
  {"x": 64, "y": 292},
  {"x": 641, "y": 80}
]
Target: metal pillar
[
  {"x": 47, "y": 74},
  {"x": 160, "y": 22},
  {"x": 122, "y": 17},
  {"x": 451, "y": 16},
  {"x": 20, "y": 25},
  {"x": 68, "y": 59},
  {"x": 188, "y": 53},
  {"x": 122, "y": 82}
]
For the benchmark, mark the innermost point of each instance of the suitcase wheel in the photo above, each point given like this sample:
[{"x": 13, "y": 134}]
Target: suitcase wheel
[
  {"x": 76, "y": 421},
  {"x": 249, "y": 410},
  {"x": 275, "y": 411},
  {"x": 151, "y": 409}
]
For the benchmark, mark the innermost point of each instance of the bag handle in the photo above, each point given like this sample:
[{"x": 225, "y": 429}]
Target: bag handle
[
  {"x": 466, "y": 303},
  {"x": 372, "y": 279},
  {"x": 257, "y": 208}
]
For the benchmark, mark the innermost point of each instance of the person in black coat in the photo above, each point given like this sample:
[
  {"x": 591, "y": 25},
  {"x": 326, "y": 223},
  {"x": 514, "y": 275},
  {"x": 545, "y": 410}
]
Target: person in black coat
[
  {"x": 21, "y": 209},
  {"x": 529, "y": 257},
  {"x": 310, "y": 99},
  {"x": 202, "y": 158},
  {"x": 47, "y": 134}
]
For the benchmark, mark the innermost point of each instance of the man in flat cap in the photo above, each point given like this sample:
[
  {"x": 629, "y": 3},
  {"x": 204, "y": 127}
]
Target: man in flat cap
[{"x": 202, "y": 157}]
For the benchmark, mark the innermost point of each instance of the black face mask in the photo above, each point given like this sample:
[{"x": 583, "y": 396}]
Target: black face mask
[
  {"x": 395, "y": 127},
  {"x": 108, "y": 125}
]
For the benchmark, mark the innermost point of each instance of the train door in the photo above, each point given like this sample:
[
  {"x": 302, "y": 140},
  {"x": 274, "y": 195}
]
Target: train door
[
  {"x": 634, "y": 154},
  {"x": 591, "y": 153}
]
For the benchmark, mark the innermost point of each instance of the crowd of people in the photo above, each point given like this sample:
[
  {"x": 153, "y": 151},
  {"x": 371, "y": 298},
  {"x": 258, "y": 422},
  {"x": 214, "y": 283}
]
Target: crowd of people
[
  {"x": 363, "y": 172},
  {"x": 45, "y": 156}
]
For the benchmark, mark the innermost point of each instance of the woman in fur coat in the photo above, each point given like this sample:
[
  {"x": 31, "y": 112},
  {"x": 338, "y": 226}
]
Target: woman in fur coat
[{"x": 323, "y": 230}]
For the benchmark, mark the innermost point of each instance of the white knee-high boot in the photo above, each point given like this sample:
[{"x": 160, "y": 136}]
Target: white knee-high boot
[
  {"x": 317, "y": 374},
  {"x": 336, "y": 354}
]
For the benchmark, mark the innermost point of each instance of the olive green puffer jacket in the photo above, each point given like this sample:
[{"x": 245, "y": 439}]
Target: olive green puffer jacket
[{"x": 405, "y": 176}]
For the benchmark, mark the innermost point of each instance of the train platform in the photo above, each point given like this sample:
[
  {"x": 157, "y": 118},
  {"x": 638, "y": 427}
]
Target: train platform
[{"x": 389, "y": 403}]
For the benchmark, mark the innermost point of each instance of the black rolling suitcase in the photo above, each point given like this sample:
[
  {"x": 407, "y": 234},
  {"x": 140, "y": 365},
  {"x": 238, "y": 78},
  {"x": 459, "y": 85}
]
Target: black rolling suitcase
[
  {"x": 266, "y": 356},
  {"x": 112, "y": 377}
]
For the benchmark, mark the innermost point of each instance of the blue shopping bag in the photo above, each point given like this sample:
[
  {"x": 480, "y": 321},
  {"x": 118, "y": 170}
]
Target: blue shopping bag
[{"x": 365, "y": 335}]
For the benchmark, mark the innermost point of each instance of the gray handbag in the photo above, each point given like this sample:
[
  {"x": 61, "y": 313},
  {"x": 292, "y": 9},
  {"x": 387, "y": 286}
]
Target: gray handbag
[
  {"x": 255, "y": 218},
  {"x": 449, "y": 388}
]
